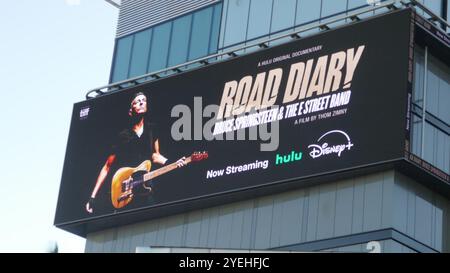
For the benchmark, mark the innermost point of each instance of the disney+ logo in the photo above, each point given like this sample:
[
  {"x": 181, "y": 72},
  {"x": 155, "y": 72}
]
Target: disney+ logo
[{"x": 324, "y": 148}]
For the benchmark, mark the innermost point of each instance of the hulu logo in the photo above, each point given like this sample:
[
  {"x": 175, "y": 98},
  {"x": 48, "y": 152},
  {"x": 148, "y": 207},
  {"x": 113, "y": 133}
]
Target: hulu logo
[{"x": 293, "y": 156}]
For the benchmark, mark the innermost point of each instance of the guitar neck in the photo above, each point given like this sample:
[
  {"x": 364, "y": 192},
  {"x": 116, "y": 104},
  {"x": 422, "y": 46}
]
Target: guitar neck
[{"x": 163, "y": 170}]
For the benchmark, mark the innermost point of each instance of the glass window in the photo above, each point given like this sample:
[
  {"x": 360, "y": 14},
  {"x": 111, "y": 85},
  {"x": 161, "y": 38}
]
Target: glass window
[
  {"x": 223, "y": 24},
  {"x": 436, "y": 144},
  {"x": 444, "y": 97},
  {"x": 139, "y": 56},
  {"x": 283, "y": 20},
  {"x": 122, "y": 61},
  {"x": 180, "y": 40},
  {"x": 432, "y": 88},
  {"x": 448, "y": 16},
  {"x": 160, "y": 47},
  {"x": 420, "y": 11},
  {"x": 438, "y": 90},
  {"x": 436, "y": 141},
  {"x": 168, "y": 44},
  {"x": 443, "y": 151},
  {"x": 236, "y": 21},
  {"x": 283, "y": 14},
  {"x": 416, "y": 135},
  {"x": 331, "y": 7},
  {"x": 215, "y": 29},
  {"x": 201, "y": 28},
  {"x": 447, "y": 154},
  {"x": 435, "y": 6},
  {"x": 259, "y": 20},
  {"x": 419, "y": 66},
  {"x": 438, "y": 85},
  {"x": 307, "y": 11},
  {"x": 436, "y": 147},
  {"x": 448, "y": 12},
  {"x": 430, "y": 143},
  {"x": 356, "y": 3}
]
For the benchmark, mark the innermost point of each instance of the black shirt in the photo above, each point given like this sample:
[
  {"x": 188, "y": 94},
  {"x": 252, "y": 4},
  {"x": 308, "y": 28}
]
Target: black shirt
[{"x": 130, "y": 151}]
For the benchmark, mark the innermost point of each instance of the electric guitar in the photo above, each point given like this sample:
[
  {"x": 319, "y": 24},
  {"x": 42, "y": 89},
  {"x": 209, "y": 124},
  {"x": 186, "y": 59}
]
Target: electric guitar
[{"x": 125, "y": 181}]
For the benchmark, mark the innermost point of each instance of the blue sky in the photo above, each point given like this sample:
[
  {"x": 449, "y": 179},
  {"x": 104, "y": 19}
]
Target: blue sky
[{"x": 51, "y": 53}]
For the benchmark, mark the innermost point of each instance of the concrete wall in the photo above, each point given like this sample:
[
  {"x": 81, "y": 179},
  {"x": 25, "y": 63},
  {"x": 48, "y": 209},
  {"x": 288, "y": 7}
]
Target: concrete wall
[{"x": 421, "y": 213}]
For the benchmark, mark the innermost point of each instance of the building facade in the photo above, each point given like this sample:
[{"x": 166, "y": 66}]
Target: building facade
[{"x": 401, "y": 211}]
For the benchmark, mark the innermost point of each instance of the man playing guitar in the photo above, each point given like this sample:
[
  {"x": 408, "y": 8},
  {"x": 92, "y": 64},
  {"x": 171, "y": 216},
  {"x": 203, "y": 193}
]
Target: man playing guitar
[{"x": 136, "y": 144}]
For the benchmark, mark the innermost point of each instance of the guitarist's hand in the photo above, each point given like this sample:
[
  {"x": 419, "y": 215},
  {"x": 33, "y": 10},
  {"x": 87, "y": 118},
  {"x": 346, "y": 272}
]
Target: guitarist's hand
[
  {"x": 181, "y": 162},
  {"x": 89, "y": 205},
  {"x": 158, "y": 158}
]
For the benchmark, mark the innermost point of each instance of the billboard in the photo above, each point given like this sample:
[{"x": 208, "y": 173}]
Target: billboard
[{"x": 318, "y": 105}]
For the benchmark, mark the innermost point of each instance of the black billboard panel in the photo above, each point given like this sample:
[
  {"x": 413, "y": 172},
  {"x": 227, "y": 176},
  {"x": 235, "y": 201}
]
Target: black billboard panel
[{"x": 318, "y": 105}]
